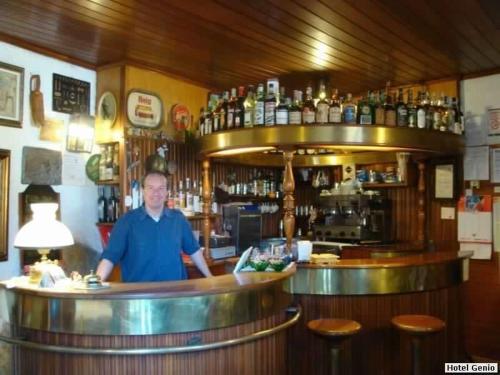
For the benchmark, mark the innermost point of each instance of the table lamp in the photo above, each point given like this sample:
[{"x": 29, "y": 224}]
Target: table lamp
[{"x": 43, "y": 233}]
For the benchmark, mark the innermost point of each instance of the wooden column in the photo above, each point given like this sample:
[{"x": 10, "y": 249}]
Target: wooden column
[
  {"x": 421, "y": 202},
  {"x": 288, "y": 199},
  {"x": 207, "y": 203}
]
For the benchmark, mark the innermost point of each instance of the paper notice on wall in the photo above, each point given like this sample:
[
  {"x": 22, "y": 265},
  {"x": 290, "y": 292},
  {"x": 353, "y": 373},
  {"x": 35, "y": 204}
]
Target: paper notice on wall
[
  {"x": 476, "y": 163},
  {"x": 73, "y": 170},
  {"x": 496, "y": 224},
  {"x": 480, "y": 250}
]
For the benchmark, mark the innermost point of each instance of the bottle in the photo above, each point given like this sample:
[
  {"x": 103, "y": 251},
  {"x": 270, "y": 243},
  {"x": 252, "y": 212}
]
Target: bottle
[
  {"x": 429, "y": 111},
  {"x": 401, "y": 110},
  {"x": 216, "y": 116},
  {"x": 196, "y": 198},
  {"x": 322, "y": 106},
  {"x": 445, "y": 115},
  {"x": 437, "y": 111},
  {"x": 102, "y": 207},
  {"x": 421, "y": 110},
  {"x": 412, "y": 110},
  {"x": 308, "y": 109},
  {"x": 349, "y": 110},
  {"x": 295, "y": 111},
  {"x": 102, "y": 163},
  {"x": 335, "y": 110},
  {"x": 249, "y": 108},
  {"x": 231, "y": 110},
  {"x": 181, "y": 196},
  {"x": 365, "y": 116},
  {"x": 223, "y": 111},
  {"x": 379, "y": 108},
  {"x": 113, "y": 209},
  {"x": 207, "y": 122},
  {"x": 189, "y": 195},
  {"x": 282, "y": 109},
  {"x": 201, "y": 122},
  {"x": 259, "y": 106},
  {"x": 390, "y": 112},
  {"x": 270, "y": 106},
  {"x": 239, "y": 113}
]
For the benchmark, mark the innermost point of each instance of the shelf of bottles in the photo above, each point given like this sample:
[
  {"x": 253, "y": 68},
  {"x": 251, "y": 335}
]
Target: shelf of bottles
[
  {"x": 108, "y": 202},
  {"x": 272, "y": 107}
]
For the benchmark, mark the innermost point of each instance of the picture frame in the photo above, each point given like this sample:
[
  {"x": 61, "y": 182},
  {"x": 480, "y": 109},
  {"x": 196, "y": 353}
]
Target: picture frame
[
  {"x": 444, "y": 181},
  {"x": 11, "y": 95},
  {"x": 4, "y": 204},
  {"x": 144, "y": 109},
  {"x": 70, "y": 95},
  {"x": 107, "y": 109}
]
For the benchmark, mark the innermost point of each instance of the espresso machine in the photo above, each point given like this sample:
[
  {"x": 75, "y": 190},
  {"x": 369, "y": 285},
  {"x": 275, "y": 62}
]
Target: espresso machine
[
  {"x": 353, "y": 218},
  {"x": 244, "y": 224}
]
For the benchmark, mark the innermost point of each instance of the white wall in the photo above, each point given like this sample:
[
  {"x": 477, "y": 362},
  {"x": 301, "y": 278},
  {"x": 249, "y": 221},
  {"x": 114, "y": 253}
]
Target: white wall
[{"x": 78, "y": 203}]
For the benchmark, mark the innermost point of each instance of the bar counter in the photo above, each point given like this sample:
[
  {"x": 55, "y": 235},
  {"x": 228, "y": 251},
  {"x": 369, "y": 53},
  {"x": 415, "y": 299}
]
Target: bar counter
[
  {"x": 230, "y": 323},
  {"x": 372, "y": 292}
]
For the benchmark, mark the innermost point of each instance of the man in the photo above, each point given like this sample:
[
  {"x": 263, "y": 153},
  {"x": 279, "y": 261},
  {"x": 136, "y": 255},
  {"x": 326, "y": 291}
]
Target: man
[{"x": 147, "y": 241}]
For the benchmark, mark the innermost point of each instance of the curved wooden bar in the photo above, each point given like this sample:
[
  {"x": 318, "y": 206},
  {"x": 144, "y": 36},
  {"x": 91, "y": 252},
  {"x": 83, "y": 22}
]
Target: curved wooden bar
[
  {"x": 213, "y": 325},
  {"x": 372, "y": 292}
]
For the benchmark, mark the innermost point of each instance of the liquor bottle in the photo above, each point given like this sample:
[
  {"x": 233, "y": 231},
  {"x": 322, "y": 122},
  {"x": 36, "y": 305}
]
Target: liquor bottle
[
  {"x": 196, "y": 198},
  {"x": 102, "y": 163},
  {"x": 208, "y": 122},
  {"x": 249, "y": 107},
  {"x": 308, "y": 109},
  {"x": 201, "y": 122},
  {"x": 379, "y": 108},
  {"x": 116, "y": 161},
  {"x": 295, "y": 110},
  {"x": 270, "y": 106},
  {"x": 436, "y": 113},
  {"x": 390, "y": 112},
  {"x": 113, "y": 207},
  {"x": 421, "y": 110},
  {"x": 401, "y": 110},
  {"x": 451, "y": 114},
  {"x": 189, "y": 195},
  {"x": 239, "y": 113},
  {"x": 181, "y": 196},
  {"x": 102, "y": 207},
  {"x": 218, "y": 116},
  {"x": 412, "y": 110},
  {"x": 429, "y": 111},
  {"x": 322, "y": 106},
  {"x": 259, "y": 106},
  {"x": 223, "y": 111},
  {"x": 349, "y": 110},
  {"x": 457, "y": 125},
  {"x": 231, "y": 110},
  {"x": 365, "y": 113},
  {"x": 444, "y": 114},
  {"x": 282, "y": 109},
  {"x": 335, "y": 110}
]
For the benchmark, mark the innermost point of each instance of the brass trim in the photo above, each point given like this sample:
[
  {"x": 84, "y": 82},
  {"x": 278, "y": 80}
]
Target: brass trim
[
  {"x": 372, "y": 137},
  {"x": 140, "y": 316},
  {"x": 377, "y": 280},
  {"x": 159, "y": 350}
]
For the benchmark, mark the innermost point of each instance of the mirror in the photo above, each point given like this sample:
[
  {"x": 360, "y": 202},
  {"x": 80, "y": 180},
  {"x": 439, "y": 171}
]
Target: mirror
[{"x": 4, "y": 203}]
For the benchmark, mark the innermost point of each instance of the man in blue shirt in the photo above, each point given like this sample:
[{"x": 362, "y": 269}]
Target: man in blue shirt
[{"x": 147, "y": 241}]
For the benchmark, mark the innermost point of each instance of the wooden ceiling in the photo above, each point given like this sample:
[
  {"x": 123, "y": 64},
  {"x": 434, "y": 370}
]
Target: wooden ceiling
[{"x": 355, "y": 45}]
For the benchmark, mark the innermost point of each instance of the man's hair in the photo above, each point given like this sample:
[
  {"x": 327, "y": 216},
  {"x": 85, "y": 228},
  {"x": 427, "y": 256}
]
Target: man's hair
[{"x": 151, "y": 173}]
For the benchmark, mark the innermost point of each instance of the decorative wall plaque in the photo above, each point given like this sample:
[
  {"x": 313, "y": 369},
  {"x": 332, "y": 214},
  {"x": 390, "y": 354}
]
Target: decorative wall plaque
[
  {"x": 144, "y": 109},
  {"x": 41, "y": 166},
  {"x": 70, "y": 95}
]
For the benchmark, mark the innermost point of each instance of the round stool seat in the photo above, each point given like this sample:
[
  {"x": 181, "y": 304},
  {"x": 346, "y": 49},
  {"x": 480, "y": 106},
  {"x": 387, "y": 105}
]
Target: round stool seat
[
  {"x": 332, "y": 328},
  {"x": 418, "y": 324}
]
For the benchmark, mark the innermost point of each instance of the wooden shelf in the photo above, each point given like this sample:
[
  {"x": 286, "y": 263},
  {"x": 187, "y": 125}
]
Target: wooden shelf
[
  {"x": 107, "y": 182},
  {"x": 378, "y": 185},
  {"x": 254, "y": 198},
  {"x": 201, "y": 217}
]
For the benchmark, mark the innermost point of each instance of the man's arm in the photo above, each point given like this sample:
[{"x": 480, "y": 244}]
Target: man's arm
[
  {"x": 104, "y": 269},
  {"x": 199, "y": 260}
]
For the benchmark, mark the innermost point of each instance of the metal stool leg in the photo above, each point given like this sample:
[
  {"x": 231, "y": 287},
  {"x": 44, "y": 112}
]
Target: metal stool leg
[
  {"x": 416, "y": 357},
  {"x": 335, "y": 360}
]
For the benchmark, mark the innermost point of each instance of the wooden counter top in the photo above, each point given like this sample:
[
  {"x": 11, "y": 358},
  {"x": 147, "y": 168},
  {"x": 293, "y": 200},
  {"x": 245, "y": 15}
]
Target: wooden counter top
[
  {"x": 404, "y": 261},
  {"x": 174, "y": 289}
]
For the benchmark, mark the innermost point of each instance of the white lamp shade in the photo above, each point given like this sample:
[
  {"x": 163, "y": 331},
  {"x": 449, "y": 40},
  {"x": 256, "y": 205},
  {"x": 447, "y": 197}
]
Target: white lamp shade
[{"x": 44, "y": 231}]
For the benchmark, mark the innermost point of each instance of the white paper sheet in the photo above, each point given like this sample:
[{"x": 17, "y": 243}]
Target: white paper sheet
[
  {"x": 444, "y": 181},
  {"x": 476, "y": 163},
  {"x": 481, "y": 251},
  {"x": 73, "y": 169},
  {"x": 495, "y": 165},
  {"x": 496, "y": 224}
]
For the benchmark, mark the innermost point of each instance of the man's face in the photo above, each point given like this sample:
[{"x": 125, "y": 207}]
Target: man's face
[{"x": 155, "y": 191}]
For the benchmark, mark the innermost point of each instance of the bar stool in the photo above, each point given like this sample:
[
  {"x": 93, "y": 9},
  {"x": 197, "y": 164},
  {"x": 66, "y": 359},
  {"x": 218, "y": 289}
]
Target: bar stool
[
  {"x": 335, "y": 331},
  {"x": 417, "y": 326}
]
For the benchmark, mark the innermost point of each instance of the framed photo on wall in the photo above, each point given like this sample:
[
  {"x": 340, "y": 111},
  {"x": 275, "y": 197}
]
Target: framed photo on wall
[
  {"x": 11, "y": 95},
  {"x": 444, "y": 181}
]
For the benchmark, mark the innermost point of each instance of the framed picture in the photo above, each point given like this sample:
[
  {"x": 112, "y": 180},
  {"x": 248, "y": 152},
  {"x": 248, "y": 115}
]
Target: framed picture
[
  {"x": 70, "y": 95},
  {"x": 144, "y": 109},
  {"x": 106, "y": 109},
  {"x": 444, "y": 181},
  {"x": 4, "y": 203},
  {"x": 11, "y": 95}
]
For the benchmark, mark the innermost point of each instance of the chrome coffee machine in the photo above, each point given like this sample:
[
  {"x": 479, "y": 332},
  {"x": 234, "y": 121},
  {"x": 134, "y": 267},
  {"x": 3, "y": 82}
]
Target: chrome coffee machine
[{"x": 353, "y": 218}]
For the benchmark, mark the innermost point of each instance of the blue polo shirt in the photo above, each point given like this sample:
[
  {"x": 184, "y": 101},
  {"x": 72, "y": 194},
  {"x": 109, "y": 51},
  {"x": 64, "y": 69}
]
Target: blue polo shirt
[{"x": 148, "y": 250}]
